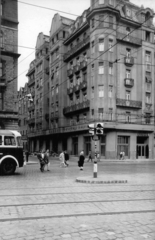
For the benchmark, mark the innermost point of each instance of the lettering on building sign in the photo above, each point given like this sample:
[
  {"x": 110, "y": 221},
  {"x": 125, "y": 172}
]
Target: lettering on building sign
[
  {"x": 143, "y": 135},
  {"x": 75, "y": 128}
]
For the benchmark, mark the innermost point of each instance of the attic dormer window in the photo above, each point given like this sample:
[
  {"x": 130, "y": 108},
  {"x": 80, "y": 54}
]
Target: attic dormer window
[
  {"x": 128, "y": 12},
  {"x": 147, "y": 16}
]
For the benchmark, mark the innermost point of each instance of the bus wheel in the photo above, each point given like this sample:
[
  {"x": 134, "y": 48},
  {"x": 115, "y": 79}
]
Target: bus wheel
[{"x": 8, "y": 166}]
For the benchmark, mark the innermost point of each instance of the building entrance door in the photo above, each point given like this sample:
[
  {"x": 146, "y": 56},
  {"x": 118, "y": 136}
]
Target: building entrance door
[{"x": 142, "y": 147}]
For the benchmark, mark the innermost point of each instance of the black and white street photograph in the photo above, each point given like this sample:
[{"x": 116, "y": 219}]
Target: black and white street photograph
[{"x": 77, "y": 120}]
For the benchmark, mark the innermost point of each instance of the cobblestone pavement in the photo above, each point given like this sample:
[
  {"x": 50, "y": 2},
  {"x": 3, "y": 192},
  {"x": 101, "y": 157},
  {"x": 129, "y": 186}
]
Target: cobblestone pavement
[{"x": 51, "y": 205}]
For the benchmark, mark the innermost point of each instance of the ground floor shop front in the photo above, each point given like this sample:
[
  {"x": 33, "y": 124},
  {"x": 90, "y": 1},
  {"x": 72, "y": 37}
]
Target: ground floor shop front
[{"x": 135, "y": 145}]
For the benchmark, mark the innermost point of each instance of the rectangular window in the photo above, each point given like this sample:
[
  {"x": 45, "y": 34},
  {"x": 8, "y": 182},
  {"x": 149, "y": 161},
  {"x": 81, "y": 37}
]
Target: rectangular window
[
  {"x": 128, "y": 117},
  {"x": 101, "y": 90},
  {"x": 128, "y": 52},
  {"x": 92, "y": 23},
  {"x": 101, "y": 1},
  {"x": 148, "y": 98},
  {"x": 92, "y": 67},
  {"x": 110, "y": 68},
  {"x": 92, "y": 92},
  {"x": 92, "y": 80},
  {"x": 147, "y": 36},
  {"x": 110, "y": 45},
  {"x": 110, "y": 92},
  {"x": 110, "y": 21},
  {"x": 101, "y": 68},
  {"x": 147, "y": 118},
  {"x": 148, "y": 56},
  {"x": 92, "y": 112},
  {"x": 9, "y": 140},
  {"x": 128, "y": 95},
  {"x": 101, "y": 44},
  {"x": 101, "y": 21},
  {"x": 100, "y": 113},
  {"x": 148, "y": 87},
  {"x": 92, "y": 46},
  {"x": 148, "y": 66},
  {"x": 128, "y": 73},
  {"x": 110, "y": 114}
]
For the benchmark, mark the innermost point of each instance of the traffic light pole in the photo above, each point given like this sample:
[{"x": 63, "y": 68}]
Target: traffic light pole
[{"x": 95, "y": 161}]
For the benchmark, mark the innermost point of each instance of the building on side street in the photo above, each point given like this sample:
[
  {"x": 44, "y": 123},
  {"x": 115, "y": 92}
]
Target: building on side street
[
  {"x": 23, "y": 104},
  {"x": 8, "y": 64},
  {"x": 99, "y": 68}
]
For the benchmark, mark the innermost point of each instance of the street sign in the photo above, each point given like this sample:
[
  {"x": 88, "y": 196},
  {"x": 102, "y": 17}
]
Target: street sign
[{"x": 95, "y": 138}]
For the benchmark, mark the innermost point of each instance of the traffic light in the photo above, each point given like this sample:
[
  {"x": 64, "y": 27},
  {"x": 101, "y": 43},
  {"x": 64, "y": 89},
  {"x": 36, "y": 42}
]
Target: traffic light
[
  {"x": 91, "y": 128},
  {"x": 99, "y": 128}
]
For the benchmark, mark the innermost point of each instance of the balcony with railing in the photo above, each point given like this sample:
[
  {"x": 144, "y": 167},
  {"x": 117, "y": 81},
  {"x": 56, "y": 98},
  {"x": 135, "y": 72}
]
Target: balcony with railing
[
  {"x": 129, "y": 38},
  {"x": 77, "y": 69},
  {"x": 77, "y": 107},
  {"x": 70, "y": 72},
  {"x": 83, "y": 85},
  {"x": 129, "y": 61},
  {"x": 83, "y": 65},
  {"x": 128, "y": 82},
  {"x": 128, "y": 103},
  {"x": 76, "y": 88},
  {"x": 82, "y": 44}
]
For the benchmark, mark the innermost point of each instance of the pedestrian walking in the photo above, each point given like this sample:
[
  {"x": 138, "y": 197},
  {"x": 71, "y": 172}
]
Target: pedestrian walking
[
  {"x": 27, "y": 155},
  {"x": 121, "y": 154},
  {"x": 90, "y": 156},
  {"x": 66, "y": 158},
  {"x": 81, "y": 160},
  {"x": 46, "y": 159},
  {"x": 62, "y": 159},
  {"x": 40, "y": 156}
]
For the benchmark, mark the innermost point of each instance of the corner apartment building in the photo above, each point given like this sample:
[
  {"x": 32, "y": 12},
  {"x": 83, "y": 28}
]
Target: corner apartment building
[
  {"x": 8, "y": 64},
  {"x": 101, "y": 69}
]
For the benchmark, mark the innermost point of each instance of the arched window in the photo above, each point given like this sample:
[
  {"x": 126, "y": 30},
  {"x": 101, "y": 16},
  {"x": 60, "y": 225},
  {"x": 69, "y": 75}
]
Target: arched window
[{"x": 1, "y": 40}]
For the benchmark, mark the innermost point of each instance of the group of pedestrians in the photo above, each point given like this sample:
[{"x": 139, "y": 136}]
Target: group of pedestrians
[{"x": 43, "y": 157}]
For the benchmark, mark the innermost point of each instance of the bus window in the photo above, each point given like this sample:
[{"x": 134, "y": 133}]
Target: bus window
[
  {"x": 9, "y": 141},
  {"x": 0, "y": 140},
  {"x": 19, "y": 141}
]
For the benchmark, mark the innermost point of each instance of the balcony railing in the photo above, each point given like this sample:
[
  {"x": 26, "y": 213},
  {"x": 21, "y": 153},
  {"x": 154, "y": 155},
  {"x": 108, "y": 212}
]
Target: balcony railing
[
  {"x": 129, "y": 61},
  {"x": 76, "y": 88},
  {"x": 128, "y": 103},
  {"x": 69, "y": 90},
  {"x": 78, "y": 47},
  {"x": 76, "y": 69},
  {"x": 129, "y": 38},
  {"x": 129, "y": 82},
  {"x": 83, "y": 85},
  {"x": 70, "y": 72},
  {"x": 76, "y": 107},
  {"x": 83, "y": 65}
]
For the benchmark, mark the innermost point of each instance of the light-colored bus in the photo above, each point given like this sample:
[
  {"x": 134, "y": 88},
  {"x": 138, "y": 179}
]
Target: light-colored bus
[{"x": 11, "y": 151}]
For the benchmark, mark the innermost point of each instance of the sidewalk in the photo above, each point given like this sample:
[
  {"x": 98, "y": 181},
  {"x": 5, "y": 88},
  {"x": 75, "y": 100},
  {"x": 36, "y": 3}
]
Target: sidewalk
[{"x": 34, "y": 160}]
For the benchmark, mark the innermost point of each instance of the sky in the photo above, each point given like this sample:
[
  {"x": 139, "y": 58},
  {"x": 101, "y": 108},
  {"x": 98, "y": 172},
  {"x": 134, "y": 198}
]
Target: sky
[{"x": 33, "y": 20}]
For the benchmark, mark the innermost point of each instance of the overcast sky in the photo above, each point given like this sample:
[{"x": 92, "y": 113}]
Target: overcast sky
[{"x": 33, "y": 20}]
